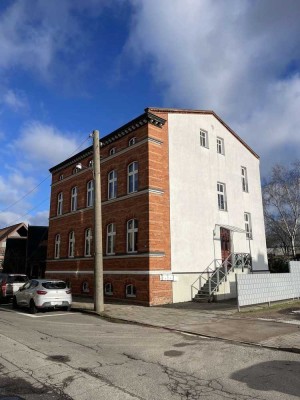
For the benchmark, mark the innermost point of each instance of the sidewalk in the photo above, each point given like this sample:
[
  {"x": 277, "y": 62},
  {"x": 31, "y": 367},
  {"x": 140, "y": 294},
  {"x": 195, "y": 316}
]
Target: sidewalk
[{"x": 216, "y": 322}]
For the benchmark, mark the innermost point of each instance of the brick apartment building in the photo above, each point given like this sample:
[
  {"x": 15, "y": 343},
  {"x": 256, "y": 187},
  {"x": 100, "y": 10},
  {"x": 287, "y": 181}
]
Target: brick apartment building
[{"x": 179, "y": 190}]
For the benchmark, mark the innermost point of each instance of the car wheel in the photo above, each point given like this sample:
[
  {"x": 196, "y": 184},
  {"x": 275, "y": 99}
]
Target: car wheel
[
  {"x": 33, "y": 309},
  {"x": 15, "y": 304}
]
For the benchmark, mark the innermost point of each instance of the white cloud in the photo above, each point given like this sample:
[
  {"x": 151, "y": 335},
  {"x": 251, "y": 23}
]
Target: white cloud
[
  {"x": 240, "y": 61},
  {"x": 44, "y": 145},
  {"x": 15, "y": 100},
  {"x": 41, "y": 218}
]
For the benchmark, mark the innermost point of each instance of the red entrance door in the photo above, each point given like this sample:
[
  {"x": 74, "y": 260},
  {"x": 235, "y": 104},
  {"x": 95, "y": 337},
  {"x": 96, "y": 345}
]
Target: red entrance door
[{"x": 225, "y": 243}]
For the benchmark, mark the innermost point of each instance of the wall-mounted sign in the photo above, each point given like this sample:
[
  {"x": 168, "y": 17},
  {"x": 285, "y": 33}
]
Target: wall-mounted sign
[{"x": 168, "y": 277}]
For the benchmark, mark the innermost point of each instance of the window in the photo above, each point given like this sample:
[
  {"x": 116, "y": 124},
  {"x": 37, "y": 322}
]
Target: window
[
  {"x": 130, "y": 291},
  {"x": 112, "y": 151},
  {"x": 112, "y": 184},
  {"x": 88, "y": 242},
  {"x": 57, "y": 246},
  {"x": 76, "y": 170},
  {"x": 203, "y": 139},
  {"x": 90, "y": 194},
  {"x": 61, "y": 177},
  {"x": 133, "y": 177},
  {"x": 91, "y": 163},
  {"x": 108, "y": 289},
  {"x": 132, "y": 235},
  {"x": 111, "y": 239},
  {"x": 220, "y": 145},
  {"x": 221, "y": 189},
  {"x": 71, "y": 244},
  {"x": 248, "y": 225},
  {"x": 244, "y": 179},
  {"x": 59, "y": 203},
  {"x": 132, "y": 141},
  {"x": 74, "y": 199}
]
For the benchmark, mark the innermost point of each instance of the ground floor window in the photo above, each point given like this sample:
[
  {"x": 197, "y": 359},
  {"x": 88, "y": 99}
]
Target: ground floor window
[
  {"x": 108, "y": 289},
  {"x": 130, "y": 291}
]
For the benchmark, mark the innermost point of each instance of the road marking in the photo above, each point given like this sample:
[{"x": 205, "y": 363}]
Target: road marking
[{"x": 34, "y": 315}]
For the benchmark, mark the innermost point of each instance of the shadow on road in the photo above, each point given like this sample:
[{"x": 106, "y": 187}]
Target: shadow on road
[{"x": 279, "y": 376}]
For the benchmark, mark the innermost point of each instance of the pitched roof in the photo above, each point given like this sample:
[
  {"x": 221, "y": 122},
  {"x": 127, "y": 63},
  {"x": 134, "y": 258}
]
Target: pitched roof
[
  {"x": 7, "y": 231},
  {"x": 188, "y": 111}
]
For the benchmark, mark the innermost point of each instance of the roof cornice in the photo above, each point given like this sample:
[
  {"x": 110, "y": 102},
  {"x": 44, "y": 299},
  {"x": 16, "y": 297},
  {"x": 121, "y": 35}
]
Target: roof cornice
[
  {"x": 187, "y": 111},
  {"x": 146, "y": 118}
]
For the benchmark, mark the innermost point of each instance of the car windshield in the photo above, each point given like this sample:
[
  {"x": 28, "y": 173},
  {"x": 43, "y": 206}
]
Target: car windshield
[
  {"x": 54, "y": 285},
  {"x": 17, "y": 279}
]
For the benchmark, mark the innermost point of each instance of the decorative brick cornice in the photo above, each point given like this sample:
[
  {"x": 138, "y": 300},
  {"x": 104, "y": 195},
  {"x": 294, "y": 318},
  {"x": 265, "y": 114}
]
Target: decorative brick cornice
[{"x": 146, "y": 118}]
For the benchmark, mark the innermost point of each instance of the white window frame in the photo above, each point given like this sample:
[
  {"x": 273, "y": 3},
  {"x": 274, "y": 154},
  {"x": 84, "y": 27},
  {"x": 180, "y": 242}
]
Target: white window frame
[
  {"x": 244, "y": 177},
  {"x": 76, "y": 170},
  {"x": 248, "y": 225},
  {"x": 108, "y": 289},
  {"x": 90, "y": 193},
  {"x": 112, "y": 182},
  {"x": 60, "y": 199},
  {"x": 203, "y": 138},
  {"x": 71, "y": 250},
  {"x": 88, "y": 242},
  {"x": 130, "y": 290},
  {"x": 112, "y": 151},
  {"x": 132, "y": 141},
  {"x": 110, "y": 239},
  {"x": 91, "y": 163},
  {"x": 133, "y": 177},
  {"x": 57, "y": 246},
  {"x": 132, "y": 236},
  {"x": 61, "y": 177},
  {"x": 222, "y": 201},
  {"x": 220, "y": 146},
  {"x": 74, "y": 193}
]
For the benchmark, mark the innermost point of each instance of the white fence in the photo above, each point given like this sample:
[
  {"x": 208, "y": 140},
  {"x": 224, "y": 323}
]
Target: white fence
[{"x": 265, "y": 288}]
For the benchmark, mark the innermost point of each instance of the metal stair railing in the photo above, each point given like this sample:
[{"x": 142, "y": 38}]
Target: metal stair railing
[
  {"x": 220, "y": 272},
  {"x": 205, "y": 275}
]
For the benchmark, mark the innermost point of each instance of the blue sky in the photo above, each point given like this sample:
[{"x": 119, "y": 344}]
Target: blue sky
[{"x": 70, "y": 66}]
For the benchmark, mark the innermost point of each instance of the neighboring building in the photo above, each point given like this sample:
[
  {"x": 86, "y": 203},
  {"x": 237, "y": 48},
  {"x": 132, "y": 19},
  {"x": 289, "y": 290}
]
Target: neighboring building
[
  {"x": 180, "y": 191},
  {"x": 13, "y": 231},
  {"x": 36, "y": 251}
]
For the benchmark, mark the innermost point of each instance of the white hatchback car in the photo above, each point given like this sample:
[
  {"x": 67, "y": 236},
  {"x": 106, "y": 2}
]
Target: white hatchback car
[{"x": 42, "y": 294}]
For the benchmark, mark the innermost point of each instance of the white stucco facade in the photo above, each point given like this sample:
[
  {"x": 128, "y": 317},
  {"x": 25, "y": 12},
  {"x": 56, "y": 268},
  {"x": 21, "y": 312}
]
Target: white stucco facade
[{"x": 195, "y": 218}]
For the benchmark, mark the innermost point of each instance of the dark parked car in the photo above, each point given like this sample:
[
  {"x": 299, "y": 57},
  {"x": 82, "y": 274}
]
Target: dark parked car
[{"x": 10, "y": 284}]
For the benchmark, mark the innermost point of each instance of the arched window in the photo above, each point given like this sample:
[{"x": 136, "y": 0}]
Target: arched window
[
  {"x": 59, "y": 203},
  {"x": 61, "y": 177},
  {"x": 90, "y": 194},
  {"x": 111, "y": 239},
  {"x": 76, "y": 170},
  {"x": 108, "y": 289},
  {"x": 132, "y": 235},
  {"x": 133, "y": 170},
  {"x": 130, "y": 290},
  {"x": 88, "y": 242},
  {"x": 74, "y": 199},
  {"x": 112, "y": 151},
  {"x": 71, "y": 252},
  {"x": 132, "y": 141},
  {"x": 112, "y": 184},
  {"x": 91, "y": 163},
  {"x": 57, "y": 246}
]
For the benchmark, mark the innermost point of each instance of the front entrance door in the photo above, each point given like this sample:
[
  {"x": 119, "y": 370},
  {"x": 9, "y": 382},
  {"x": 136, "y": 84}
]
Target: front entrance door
[{"x": 225, "y": 243}]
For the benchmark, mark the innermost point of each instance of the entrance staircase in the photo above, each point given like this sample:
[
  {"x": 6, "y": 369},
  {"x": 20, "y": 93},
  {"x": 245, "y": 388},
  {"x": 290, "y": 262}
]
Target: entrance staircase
[{"x": 209, "y": 281}]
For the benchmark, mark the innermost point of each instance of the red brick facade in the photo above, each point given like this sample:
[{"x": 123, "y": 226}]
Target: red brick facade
[{"x": 149, "y": 206}]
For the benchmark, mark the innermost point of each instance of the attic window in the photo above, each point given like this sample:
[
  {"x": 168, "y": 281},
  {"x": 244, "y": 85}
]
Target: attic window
[
  {"x": 112, "y": 151},
  {"x": 61, "y": 177},
  {"x": 76, "y": 170},
  {"x": 132, "y": 141},
  {"x": 91, "y": 163}
]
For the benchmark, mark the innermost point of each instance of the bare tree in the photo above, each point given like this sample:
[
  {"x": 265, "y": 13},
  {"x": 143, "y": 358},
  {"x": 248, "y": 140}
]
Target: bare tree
[{"x": 281, "y": 197}]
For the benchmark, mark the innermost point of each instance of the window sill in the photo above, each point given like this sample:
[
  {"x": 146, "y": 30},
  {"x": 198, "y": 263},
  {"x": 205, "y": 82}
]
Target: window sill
[{"x": 130, "y": 295}]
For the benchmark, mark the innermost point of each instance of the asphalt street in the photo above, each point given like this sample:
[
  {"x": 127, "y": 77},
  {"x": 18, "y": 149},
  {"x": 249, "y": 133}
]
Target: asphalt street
[{"x": 60, "y": 355}]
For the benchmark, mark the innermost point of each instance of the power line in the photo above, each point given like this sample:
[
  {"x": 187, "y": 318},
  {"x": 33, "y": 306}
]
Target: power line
[{"x": 32, "y": 190}]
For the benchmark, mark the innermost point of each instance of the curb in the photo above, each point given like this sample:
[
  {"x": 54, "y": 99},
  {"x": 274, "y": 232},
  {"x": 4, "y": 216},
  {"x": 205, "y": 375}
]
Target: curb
[{"x": 245, "y": 343}]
